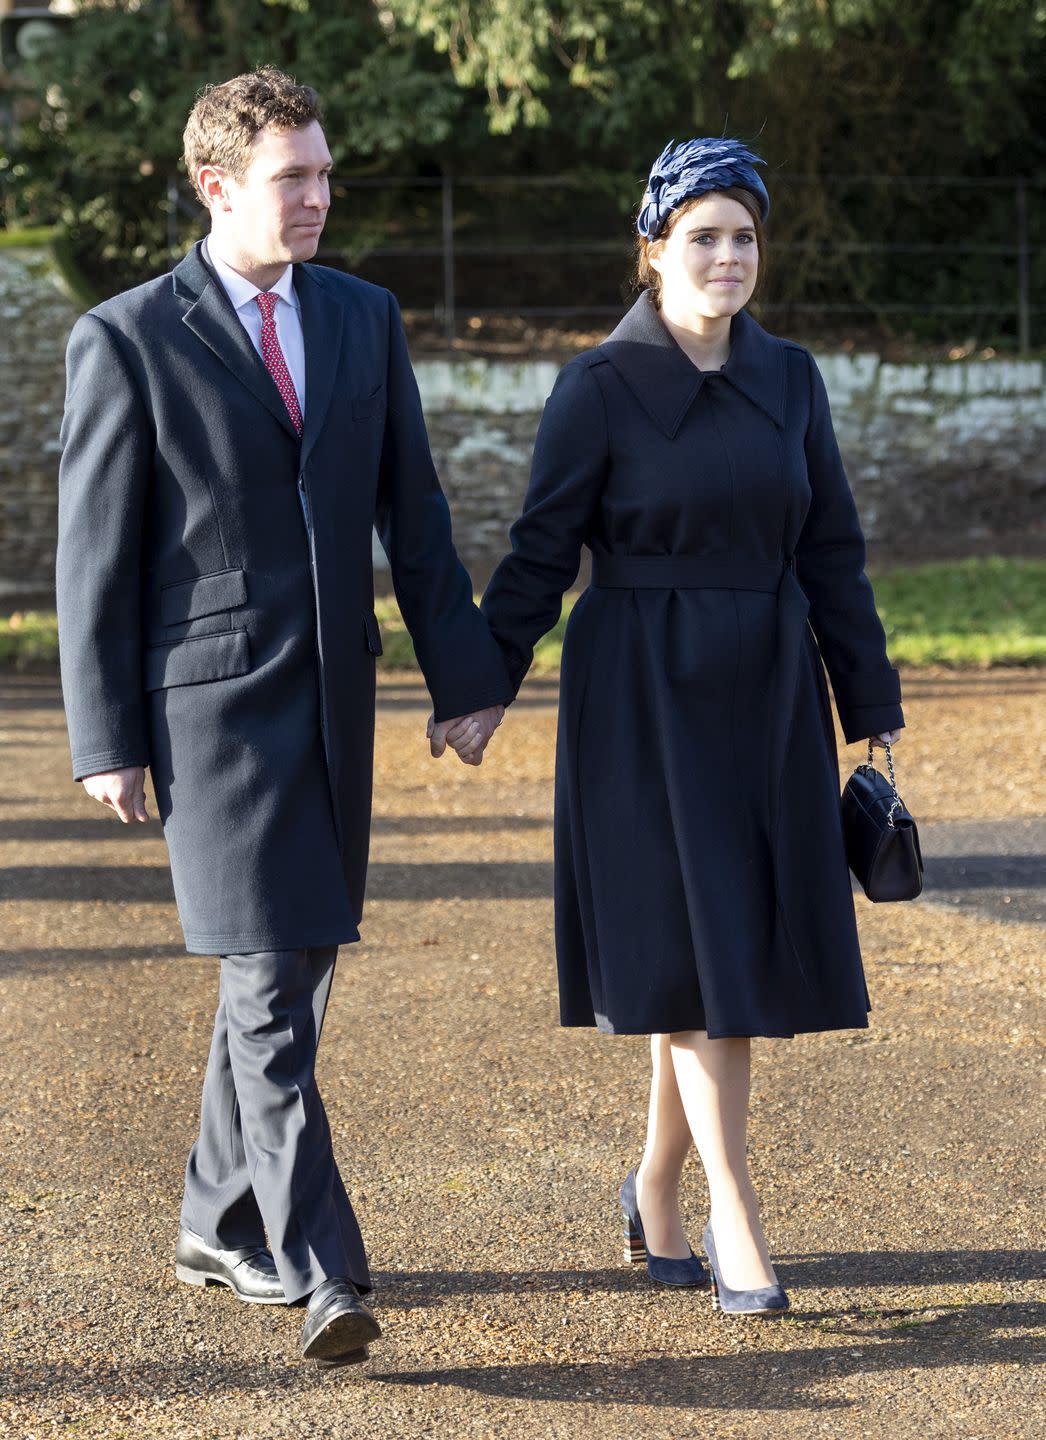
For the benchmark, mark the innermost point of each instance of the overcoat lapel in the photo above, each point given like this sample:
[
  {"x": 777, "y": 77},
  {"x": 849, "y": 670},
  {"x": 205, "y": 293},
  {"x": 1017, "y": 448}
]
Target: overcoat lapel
[
  {"x": 321, "y": 322},
  {"x": 666, "y": 382},
  {"x": 211, "y": 317}
]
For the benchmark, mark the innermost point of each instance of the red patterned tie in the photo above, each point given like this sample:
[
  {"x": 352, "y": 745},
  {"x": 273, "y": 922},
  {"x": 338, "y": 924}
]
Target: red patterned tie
[{"x": 273, "y": 356}]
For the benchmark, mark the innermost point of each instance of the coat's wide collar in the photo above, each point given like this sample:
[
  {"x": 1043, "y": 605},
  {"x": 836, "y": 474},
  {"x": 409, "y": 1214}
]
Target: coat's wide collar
[
  {"x": 666, "y": 382},
  {"x": 211, "y": 317}
]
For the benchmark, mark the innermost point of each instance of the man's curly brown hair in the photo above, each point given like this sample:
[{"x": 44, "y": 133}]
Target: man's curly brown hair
[{"x": 225, "y": 119}]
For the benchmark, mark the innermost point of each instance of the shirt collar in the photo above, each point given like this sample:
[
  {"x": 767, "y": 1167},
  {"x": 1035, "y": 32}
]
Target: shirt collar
[
  {"x": 242, "y": 291},
  {"x": 665, "y": 380}
]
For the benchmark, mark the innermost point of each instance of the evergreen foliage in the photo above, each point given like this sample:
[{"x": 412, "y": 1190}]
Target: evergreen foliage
[{"x": 594, "y": 88}]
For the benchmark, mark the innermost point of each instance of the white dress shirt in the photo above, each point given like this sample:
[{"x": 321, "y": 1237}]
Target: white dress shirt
[{"x": 287, "y": 314}]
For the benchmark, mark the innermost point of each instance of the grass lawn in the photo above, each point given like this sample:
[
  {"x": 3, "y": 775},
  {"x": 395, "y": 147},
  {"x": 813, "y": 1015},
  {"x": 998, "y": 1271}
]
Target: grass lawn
[{"x": 966, "y": 613}]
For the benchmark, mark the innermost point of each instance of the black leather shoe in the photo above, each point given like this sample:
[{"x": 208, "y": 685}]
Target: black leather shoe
[
  {"x": 249, "y": 1273},
  {"x": 339, "y": 1325}
]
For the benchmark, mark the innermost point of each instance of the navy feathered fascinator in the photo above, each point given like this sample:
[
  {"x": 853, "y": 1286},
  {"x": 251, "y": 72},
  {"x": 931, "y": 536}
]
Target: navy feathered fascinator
[{"x": 693, "y": 168}]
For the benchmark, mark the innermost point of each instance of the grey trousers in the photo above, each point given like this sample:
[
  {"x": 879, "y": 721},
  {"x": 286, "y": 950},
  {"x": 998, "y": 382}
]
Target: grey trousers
[{"x": 264, "y": 1161}]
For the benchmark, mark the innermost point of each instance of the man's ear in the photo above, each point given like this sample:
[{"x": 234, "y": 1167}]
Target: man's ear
[{"x": 213, "y": 184}]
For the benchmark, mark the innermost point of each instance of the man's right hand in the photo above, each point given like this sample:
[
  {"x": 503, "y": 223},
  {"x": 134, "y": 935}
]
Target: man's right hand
[
  {"x": 122, "y": 790},
  {"x": 468, "y": 735}
]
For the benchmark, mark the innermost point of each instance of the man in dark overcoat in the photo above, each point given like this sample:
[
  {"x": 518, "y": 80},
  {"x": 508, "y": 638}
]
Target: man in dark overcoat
[{"x": 233, "y": 432}]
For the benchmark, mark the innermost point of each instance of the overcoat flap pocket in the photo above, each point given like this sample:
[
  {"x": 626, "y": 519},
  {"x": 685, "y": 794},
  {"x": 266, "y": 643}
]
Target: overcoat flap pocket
[
  {"x": 370, "y": 626},
  {"x": 190, "y": 662},
  {"x": 202, "y": 595},
  {"x": 368, "y": 402}
]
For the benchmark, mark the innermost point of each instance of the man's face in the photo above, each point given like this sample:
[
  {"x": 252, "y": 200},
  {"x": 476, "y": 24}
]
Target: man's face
[{"x": 275, "y": 213}]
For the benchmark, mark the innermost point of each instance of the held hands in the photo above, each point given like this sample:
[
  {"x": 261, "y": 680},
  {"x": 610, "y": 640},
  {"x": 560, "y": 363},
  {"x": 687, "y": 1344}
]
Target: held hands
[
  {"x": 122, "y": 790},
  {"x": 468, "y": 735}
]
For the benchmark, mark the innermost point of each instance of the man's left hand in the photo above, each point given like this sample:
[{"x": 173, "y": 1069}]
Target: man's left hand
[{"x": 468, "y": 735}]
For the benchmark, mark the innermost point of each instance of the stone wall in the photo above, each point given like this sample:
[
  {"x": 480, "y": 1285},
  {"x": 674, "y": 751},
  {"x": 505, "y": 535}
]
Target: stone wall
[{"x": 945, "y": 459}]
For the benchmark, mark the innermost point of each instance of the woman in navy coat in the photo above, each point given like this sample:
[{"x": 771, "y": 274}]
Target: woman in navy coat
[{"x": 701, "y": 887}]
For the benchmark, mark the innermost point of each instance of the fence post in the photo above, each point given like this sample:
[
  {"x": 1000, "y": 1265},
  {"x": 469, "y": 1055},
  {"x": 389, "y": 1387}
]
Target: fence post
[
  {"x": 449, "y": 316},
  {"x": 1023, "y": 278}
]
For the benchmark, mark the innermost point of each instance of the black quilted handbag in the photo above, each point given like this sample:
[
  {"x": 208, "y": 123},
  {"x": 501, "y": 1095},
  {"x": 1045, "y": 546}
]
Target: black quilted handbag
[{"x": 882, "y": 842}]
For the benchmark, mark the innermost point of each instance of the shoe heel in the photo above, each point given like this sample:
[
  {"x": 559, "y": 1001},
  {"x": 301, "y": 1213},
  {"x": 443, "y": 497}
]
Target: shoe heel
[
  {"x": 635, "y": 1250},
  {"x": 190, "y": 1277}
]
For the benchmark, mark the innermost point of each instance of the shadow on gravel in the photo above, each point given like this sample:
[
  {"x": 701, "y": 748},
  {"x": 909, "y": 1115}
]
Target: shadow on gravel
[
  {"x": 31, "y": 727},
  {"x": 845, "y": 1270},
  {"x": 1004, "y": 887},
  {"x": 25, "y": 697},
  {"x": 912, "y": 1267},
  {"x": 170, "y": 1380},
  {"x": 751, "y": 1380},
  {"x": 118, "y": 883},
  {"x": 456, "y": 824},
  {"x": 772, "y": 1380},
  {"x": 78, "y": 830},
  {"x": 975, "y": 872},
  {"x": 516, "y": 880},
  {"x": 1030, "y": 681},
  {"x": 430, "y": 880},
  {"x": 58, "y": 960},
  {"x": 946, "y": 879},
  {"x": 103, "y": 828},
  {"x": 420, "y": 702},
  {"x": 409, "y": 694}
]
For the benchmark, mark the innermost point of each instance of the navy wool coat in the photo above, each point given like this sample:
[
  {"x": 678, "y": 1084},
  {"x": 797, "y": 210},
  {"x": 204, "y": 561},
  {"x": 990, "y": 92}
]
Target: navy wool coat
[
  {"x": 215, "y": 590},
  {"x": 700, "y": 875}
]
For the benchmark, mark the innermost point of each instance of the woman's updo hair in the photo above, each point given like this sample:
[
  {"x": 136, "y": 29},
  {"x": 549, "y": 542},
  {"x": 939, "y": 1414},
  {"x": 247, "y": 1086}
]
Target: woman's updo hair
[{"x": 647, "y": 278}]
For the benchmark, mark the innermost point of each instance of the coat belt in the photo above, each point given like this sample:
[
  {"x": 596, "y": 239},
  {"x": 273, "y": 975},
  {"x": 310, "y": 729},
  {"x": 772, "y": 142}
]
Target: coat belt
[{"x": 688, "y": 572}]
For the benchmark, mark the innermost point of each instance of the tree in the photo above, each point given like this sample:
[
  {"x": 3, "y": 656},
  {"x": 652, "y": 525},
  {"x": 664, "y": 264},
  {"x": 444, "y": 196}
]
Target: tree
[
  {"x": 105, "y": 139},
  {"x": 824, "y": 88}
]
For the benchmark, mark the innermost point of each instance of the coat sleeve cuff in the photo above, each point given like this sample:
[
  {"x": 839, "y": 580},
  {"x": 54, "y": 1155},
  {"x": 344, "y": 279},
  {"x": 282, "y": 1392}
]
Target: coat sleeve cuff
[
  {"x": 856, "y": 689},
  {"x": 451, "y": 707},
  {"x": 105, "y": 762},
  {"x": 868, "y": 720},
  {"x": 868, "y": 701}
]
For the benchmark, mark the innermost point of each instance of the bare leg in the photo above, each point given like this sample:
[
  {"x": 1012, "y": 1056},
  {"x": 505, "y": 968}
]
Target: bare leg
[
  {"x": 668, "y": 1143},
  {"x": 714, "y": 1081}
]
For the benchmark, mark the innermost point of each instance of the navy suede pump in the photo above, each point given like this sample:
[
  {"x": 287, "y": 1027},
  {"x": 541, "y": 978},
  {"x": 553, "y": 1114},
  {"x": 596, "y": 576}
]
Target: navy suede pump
[
  {"x": 662, "y": 1268},
  {"x": 770, "y": 1300}
]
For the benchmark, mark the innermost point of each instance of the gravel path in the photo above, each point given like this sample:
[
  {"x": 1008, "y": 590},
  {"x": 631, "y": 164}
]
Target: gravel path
[{"x": 900, "y": 1168}]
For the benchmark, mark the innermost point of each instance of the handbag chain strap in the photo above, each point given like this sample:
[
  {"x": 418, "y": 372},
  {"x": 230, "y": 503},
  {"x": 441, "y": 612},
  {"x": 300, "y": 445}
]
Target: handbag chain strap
[{"x": 898, "y": 803}]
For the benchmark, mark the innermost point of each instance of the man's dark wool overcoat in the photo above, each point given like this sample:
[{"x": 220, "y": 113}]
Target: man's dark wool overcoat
[
  {"x": 700, "y": 877},
  {"x": 216, "y": 595}
]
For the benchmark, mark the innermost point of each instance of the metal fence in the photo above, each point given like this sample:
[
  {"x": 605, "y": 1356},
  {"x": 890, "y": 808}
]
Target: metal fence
[{"x": 440, "y": 243}]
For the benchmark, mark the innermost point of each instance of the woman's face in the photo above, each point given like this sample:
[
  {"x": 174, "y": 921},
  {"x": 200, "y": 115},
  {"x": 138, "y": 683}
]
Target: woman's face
[{"x": 710, "y": 261}]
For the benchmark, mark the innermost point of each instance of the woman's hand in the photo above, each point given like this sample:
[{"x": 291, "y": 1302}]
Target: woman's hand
[{"x": 888, "y": 736}]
